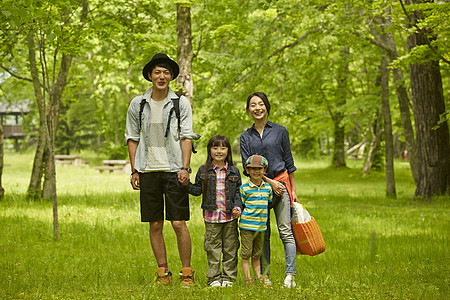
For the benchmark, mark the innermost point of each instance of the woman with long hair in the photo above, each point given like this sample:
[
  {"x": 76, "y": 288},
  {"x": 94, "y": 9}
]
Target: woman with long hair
[{"x": 271, "y": 140}]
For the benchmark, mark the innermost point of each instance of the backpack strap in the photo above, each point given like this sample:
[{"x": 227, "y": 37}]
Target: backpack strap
[
  {"x": 176, "y": 109},
  {"x": 141, "y": 109}
]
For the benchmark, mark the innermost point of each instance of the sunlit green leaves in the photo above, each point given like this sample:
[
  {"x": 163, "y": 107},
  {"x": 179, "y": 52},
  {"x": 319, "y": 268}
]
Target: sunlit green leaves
[
  {"x": 433, "y": 23},
  {"x": 290, "y": 50}
]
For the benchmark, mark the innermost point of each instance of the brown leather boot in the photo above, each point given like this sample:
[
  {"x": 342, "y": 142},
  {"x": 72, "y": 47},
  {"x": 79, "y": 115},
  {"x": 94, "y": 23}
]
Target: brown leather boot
[
  {"x": 163, "y": 278},
  {"x": 187, "y": 277}
]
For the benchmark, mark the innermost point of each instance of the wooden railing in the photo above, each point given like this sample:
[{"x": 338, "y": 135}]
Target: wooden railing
[{"x": 13, "y": 131}]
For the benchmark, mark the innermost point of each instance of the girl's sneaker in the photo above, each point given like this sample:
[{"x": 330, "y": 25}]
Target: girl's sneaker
[
  {"x": 289, "y": 282},
  {"x": 227, "y": 283},
  {"x": 215, "y": 283},
  {"x": 249, "y": 281}
]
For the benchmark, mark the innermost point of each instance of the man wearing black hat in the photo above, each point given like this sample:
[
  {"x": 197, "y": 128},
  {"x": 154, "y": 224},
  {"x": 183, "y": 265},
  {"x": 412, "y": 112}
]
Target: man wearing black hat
[{"x": 160, "y": 153}]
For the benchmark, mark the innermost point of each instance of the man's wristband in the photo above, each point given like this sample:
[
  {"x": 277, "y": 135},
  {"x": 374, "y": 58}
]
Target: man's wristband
[
  {"x": 132, "y": 173},
  {"x": 187, "y": 169}
]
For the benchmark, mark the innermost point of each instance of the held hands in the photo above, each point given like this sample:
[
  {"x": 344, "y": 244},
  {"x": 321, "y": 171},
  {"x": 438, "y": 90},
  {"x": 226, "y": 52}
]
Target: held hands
[
  {"x": 236, "y": 212},
  {"x": 183, "y": 177}
]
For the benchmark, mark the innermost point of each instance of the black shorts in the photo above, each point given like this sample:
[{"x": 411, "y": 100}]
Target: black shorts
[{"x": 153, "y": 186}]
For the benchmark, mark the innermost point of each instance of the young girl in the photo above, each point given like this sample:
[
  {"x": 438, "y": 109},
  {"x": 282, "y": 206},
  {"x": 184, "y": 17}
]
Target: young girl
[{"x": 219, "y": 181}]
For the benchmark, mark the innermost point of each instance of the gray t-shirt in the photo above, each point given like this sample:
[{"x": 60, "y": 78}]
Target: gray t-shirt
[{"x": 157, "y": 159}]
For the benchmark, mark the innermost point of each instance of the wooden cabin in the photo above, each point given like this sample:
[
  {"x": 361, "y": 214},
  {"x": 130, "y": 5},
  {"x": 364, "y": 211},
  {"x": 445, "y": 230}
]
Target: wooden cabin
[{"x": 11, "y": 115}]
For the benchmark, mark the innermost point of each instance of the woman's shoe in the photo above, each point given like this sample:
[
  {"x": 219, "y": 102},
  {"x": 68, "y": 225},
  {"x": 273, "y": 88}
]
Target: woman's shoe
[{"x": 289, "y": 282}]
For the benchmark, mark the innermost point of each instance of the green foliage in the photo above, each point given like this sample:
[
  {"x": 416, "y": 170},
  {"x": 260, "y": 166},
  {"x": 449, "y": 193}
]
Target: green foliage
[
  {"x": 77, "y": 127},
  {"x": 418, "y": 55},
  {"x": 113, "y": 40},
  {"x": 58, "y": 22},
  {"x": 445, "y": 117},
  {"x": 308, "y": 148},
  {"x": 291, "y": 50},
  {"x": 434, "y": 24}
]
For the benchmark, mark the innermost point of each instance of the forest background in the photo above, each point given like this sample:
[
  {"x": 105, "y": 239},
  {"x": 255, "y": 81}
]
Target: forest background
[{"x": 360, "y": 78}]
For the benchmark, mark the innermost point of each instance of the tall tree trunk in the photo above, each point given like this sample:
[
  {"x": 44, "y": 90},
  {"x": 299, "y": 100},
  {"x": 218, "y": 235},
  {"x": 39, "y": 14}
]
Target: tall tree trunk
[
  {"x": 51, "y": 121},
  {"x": 433, "y": 146},
  {"x": 35, "y": 187},
  {"x": 185, "y": 55},
  {"x": 58, "y": 89},
  {"x": 338, "y": 159},
  {"x": 405, "y": 115},
  {"x": 53, "y": 111},
  {"x": 46, "y": 139},
  {"x": 49, "y": 190},
  {"x": 2, "y": 190},
  {"x": 48, "y": 115},
  {"x": 387, "y": 43},
  {"x": 376, "y": 132},
  {"x": 339, "y": 141},
  {"x": 389, "y": 147}
]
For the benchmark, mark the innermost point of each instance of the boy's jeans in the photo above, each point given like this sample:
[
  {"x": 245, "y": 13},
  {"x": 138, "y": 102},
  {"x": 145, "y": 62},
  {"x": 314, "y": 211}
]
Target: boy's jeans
[{"x": 283, "y": 215}]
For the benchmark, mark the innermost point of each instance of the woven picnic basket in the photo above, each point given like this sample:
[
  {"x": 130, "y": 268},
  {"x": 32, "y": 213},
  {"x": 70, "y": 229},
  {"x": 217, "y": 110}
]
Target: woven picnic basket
[{"x": 308, "y": 238}]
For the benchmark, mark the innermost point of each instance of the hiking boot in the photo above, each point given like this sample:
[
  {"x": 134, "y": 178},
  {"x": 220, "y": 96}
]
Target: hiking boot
[
  {"x": 163, "y": 278},
  {"x": 187, "y": 277}
]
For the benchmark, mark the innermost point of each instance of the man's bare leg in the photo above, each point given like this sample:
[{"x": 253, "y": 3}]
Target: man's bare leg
[
  {"x": 183, "y": 241},
  {"x": 157, "y": 242}
]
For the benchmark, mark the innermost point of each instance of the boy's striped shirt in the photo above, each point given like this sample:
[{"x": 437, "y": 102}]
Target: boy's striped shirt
[{"x": 256, "y": 200}]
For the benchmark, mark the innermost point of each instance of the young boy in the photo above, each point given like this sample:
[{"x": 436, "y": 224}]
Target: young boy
[{"x": 255, "y": 195}]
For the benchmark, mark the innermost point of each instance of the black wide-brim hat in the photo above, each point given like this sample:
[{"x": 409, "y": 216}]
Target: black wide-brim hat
[{"x": 161, "y": 58}]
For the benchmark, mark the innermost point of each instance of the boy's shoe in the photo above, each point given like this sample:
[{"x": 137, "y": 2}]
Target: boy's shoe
[
  {"x": 289, "y": 282},
  {"x": 227, "y": 283},
  {"x": 249, "y": 281},
  {"x": 267, "y": 281},
  {"x": 187, "y": 277},
  {"x": 163, "y": 278},
  {"x": 263, "y": 282},
  {"x": 215, "y": 283}
]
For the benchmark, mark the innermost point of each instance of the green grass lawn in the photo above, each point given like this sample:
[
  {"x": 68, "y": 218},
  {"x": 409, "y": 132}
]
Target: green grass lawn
[{"x": 377, "y": 248}]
